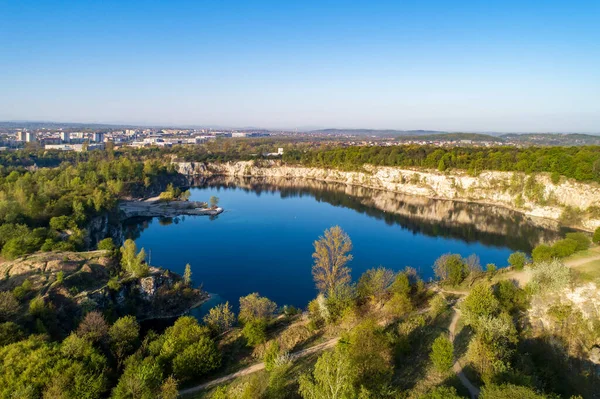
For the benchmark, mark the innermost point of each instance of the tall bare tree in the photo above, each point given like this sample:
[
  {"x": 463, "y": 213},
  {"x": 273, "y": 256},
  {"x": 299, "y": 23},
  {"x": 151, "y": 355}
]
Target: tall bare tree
[{"x": 331, "y": 256}]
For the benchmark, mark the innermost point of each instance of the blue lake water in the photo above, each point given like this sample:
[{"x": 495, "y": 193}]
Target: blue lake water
[{"x": 263, "y": 242}]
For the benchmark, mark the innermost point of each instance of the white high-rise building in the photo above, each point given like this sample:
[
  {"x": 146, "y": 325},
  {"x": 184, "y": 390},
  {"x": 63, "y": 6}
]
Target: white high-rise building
[
  {"x": 30, "y": 137},
  {"x": 98, "y": 137},
  {"x": 65, "y": 137},
  {"x": 21, "y": 136}
]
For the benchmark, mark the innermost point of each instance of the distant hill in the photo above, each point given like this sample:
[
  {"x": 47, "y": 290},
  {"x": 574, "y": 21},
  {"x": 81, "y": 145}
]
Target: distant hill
[
  {"x": 452, "y": 137},
  {"x": 375, "y": 132},
  {"x": 552, "y": 138}
]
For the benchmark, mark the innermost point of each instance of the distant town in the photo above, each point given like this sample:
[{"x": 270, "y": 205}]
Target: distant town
[{"x": 85, "y": 138}]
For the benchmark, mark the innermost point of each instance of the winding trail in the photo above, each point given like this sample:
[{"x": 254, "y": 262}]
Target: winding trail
[
  {"x": 457, "y": 367},
  {"x": 258, "y": 367}
]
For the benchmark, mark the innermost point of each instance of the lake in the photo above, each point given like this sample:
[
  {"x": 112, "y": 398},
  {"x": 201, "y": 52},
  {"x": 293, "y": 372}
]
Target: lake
[{"x": 263, "y": 241}]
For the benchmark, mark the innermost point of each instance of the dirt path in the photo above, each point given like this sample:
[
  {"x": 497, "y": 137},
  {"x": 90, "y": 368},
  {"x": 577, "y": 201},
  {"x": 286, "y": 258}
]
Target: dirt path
[
  {"x": 457, "y": 367},
  {"x": 258, "y": 367},
  {"x": 523, "y": 277}
]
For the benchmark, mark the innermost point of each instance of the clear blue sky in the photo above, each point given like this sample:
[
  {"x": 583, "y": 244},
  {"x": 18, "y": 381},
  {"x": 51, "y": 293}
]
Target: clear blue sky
[{"x": 448, "y": 65}]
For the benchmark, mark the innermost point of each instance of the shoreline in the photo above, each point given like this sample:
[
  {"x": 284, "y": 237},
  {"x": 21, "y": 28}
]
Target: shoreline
[
  {"x": 194, "y": 305},
  {"x": 154, "y": 207},
  {"x": 457, "y": 187}
]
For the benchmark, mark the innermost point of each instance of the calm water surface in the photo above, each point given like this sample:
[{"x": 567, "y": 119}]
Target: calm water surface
[{"x": 263, "y": 241}]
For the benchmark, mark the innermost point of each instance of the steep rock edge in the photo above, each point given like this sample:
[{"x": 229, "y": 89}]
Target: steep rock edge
[
  {"x": 539, "y": 198},
  {"x": 85, "y": 287}
]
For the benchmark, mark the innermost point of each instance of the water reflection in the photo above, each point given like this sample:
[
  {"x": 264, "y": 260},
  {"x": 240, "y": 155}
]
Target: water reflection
[{"x": 469, "y": 222}]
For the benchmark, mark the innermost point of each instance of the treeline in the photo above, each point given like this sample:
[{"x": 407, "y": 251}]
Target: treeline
[
  {"x": 48, "y": 208},
  {"x": 580, "y": 163}
]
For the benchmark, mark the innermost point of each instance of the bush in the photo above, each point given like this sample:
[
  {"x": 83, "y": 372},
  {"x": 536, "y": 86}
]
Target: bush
[
  {"x": 451, "y": 268},
  {"x": 442, "y": 354},
  {"x": 596, "y": 236},
  {"x": 438, "y": 305},
  {"x": 565, "y": 247},
  {"x": 508, "y": 391},
  {"x": 517, "y": 260},
  {"x": 197, "y": 359},
  {"x": 542, "y": 253},
  {"x": 255, "y": 332},
  {"x": 107, "y": 244},
  {"x": 583, "y": 241},
  {"x": 271, "y": 354},
  {"x": 9, "y": 306}
]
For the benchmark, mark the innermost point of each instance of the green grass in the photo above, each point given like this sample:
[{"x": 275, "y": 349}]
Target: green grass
[{"x": 588, "y": 272}]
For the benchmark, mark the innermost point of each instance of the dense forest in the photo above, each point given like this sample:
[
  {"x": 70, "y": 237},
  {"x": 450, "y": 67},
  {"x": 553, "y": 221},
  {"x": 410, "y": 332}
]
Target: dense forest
[
  {"x": 49, "y": 207},
  {"x": 580, "y": 163}
]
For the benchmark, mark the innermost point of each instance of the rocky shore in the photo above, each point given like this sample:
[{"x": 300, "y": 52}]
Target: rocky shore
[
  {"x": 154, "y": 207},
  {"x": 532, "y": 195}
]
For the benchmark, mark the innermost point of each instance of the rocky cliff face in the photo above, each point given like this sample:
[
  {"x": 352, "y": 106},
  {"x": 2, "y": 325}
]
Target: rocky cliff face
[
  {"x": 537, "y": 196},
  {"x": 83, "y": 284}
]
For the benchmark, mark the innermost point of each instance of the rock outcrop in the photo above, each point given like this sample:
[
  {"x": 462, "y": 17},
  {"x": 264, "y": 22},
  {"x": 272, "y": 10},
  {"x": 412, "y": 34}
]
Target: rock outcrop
[{"x": 536, "y": 196}]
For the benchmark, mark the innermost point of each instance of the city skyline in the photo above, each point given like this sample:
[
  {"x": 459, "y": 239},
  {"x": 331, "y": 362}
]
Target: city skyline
[{"x": 493, "y": 67}]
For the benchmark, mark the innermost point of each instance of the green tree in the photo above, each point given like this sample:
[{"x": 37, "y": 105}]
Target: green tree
[
  {"x": 168, "y": 389},
  {"x": 213, "y": 201},
  {"x": 442, "y": 393},
  {"x": 331, "y": 257},
  {"x": 133, "y": 262},
  {"x": 442, "y": 354},
  {"x": 187, "y": 275},
  {"x": 542, "y": 253},
  {"x": 370, "y": 353},
  {"x": 509, "y": 391},
  {"x": 220, "y": 318},
  {"x": 141, "y": 378},
  {"x": 374, "y": 284},
  {"x": 438, "y": 305},
  {"x": 107, "y": 244},
  {"x": 582, "y": 239},
  {"x": 596, "y": 236},
  {"x": 9, "y": 306},
  {"x": 565, "y": 247},
  {"x": 255, "y": 307},
  {"x": 10, "y": 333},
  {"x": 123, "y": 335},
  {"x": 271, "y": 355},
  {"x": 333, "y": 378},
  {"x": 196, "y": 359},
  {"x": 451, "y": 269},
  {"x": 517, "y": 260},
  {"x": 255, "y": 332},
  {"x": 480, "y": 302}
]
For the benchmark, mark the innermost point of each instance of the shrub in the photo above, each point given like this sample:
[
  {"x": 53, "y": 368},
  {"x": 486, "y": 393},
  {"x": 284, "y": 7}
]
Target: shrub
[
  {"x": 571, "y": 216},
  {"x": 509, "y": 391},
  {"x": 480, "y": 302},
  {"x": 271, "y": 355},
  {"x": 565, "y": 247},
  {"x": 9, "y": 306},
  {"x": 517, "y": 260},
  {"x": 220, "y": 318},
  {"x": 255, "y": 307},
  {"x": 197, "y": 359},
  {"x": 451, "y": 268},
  {"x": 107, "y": 244},
  {"x": 542, "y": 253},
  {"x": 583, "y": 241},
  {"x": 596, "y": 236},
  {"x": 255, "y": 332},
  {"x": 442, "y": 354},
  {"x": 438, "y": 305},
  {"x": 550, "y": 276}
]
